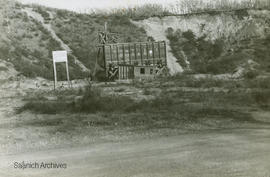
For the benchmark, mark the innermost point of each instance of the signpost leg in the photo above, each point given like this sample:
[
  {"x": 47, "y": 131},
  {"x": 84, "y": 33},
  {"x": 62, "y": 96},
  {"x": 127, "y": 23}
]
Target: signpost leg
[
  {"x": 68, "y": 74},
  {"x": 55, "y": 75}
]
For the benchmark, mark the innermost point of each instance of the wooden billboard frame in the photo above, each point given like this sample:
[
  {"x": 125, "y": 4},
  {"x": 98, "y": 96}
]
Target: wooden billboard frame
[
  {"x": 120, "y": 54},
  {"x": 122, "y": 47}
]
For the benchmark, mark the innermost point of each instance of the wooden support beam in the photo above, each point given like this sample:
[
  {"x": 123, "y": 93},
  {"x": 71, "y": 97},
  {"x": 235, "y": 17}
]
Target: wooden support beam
[
  {"x": 104, "y": 58},
  {"x": 129, "y": 53},
  {"x": 119, "y": 74},
  {"x": 117, "y": 54},
  {"x": 141, "y": 54},
  {"x": 67, "y": 71},
  {"x": 111, "y": 53},
  {"x": 153, "y": 52},
  {"x": 159, "y": 50},
  {"x": 124, "y": 56},
  {"x": 147, "y": 52},
  {"x": 165, "y": 54},
  {"x": 135, "y": 52},
  {"x": 123, "y": 74},
  {"x": 55, "y": 75}
]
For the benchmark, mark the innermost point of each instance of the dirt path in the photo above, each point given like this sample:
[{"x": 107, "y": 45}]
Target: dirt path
[
  {"x": 157, "y": 32},
  {"x": 243, "y": 152},
  {"x": 48, "y": 26}
]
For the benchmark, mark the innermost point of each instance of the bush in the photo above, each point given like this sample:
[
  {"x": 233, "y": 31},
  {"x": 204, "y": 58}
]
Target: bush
[
  {"x": 262, "y": 83},
  {"x": 44, "y": 107},
  {"x": 251, "y": 74},
  {"x": 4, "y": 51},
  {"x": 42, "y": 12},
  {"x": 93, "y": 102},
  {"x": 189, "y": 35},
  {"x": 262, "y": 98},
  {"x": 2, "y": 68}
]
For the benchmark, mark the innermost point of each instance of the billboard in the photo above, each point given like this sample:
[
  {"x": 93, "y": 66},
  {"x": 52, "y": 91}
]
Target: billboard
[{"x": 141, "y": 53}]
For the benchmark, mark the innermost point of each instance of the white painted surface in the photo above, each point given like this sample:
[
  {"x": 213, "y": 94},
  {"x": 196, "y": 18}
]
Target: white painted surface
[{"x": 60, "y": 56}]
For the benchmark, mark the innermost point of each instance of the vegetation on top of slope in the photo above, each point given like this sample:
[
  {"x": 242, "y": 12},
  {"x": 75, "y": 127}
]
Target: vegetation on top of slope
[
  {"x": 202, "y": 6},
  {"x": 42, "y": 11},
  {"x": 182, "y": 7}
]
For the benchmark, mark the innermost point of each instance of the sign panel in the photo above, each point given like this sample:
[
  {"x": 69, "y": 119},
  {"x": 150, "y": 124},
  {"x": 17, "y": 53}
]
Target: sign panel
[{"x": 60, "y": 56}]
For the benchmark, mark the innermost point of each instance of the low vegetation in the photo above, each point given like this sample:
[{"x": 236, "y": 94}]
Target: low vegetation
[
  {"x": 171, "y": 108},
  {"x": 202, "y": 6},
  {"x": 182, "y": 7}
]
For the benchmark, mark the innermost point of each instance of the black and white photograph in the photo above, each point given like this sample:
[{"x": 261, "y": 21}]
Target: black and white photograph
[{"x": 134, "y": 88}]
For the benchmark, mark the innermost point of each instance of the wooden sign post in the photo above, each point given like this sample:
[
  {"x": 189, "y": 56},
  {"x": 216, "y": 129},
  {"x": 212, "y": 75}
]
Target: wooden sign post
[{"x": 59, "y": 57}]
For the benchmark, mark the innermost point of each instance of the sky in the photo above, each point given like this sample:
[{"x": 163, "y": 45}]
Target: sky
[{"x": 82, "y": 5}]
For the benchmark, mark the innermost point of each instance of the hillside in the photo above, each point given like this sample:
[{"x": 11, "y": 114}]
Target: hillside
[
  {"x": 27, "y": 44},
  {"x": 209, "y": 42},
  {"x": 28, "y": 38}
]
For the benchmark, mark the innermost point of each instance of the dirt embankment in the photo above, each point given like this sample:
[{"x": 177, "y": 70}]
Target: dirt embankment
[
  {"x": 230, "y": 26},
  {"x": 48, "y": 26}
]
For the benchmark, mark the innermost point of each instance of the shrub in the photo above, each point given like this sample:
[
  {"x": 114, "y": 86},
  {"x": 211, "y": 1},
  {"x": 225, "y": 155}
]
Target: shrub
[
  {"x": 262, "y": 83},
  {"x": 93, "y": 101},
  {"x": 251, "y": 74},
  {"x": 44, "y": 107},
  {"x": 189, "y": 35},
  {"x": 42, "y": 12},
  {"x": 262, "y": 98},
  {"x": 2, "y": 68},
  {"x": 241, "y": 13},
  {"x": 4, "y": 51}
]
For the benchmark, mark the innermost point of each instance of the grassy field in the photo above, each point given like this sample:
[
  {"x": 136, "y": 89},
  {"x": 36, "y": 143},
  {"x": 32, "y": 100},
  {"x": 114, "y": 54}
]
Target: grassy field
[
  {"x": 123, "y": 112},
  {"x": 170, "y": 106}
]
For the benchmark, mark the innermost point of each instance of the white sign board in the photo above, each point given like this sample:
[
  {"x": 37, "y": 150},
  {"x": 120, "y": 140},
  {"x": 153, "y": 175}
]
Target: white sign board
[{"x": 60, "y": 56}]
